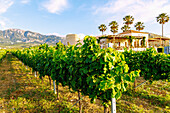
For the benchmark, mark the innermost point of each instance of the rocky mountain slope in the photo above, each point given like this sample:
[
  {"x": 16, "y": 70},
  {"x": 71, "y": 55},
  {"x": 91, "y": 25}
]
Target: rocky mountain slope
[{"x": 13, "y": 36}]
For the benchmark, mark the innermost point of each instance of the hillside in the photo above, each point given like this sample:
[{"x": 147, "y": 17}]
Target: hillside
[{"x": 17, "y": 36}]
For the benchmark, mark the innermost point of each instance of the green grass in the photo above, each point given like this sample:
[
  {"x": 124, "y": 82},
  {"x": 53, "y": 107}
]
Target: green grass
[
  {"x": 28, "y": 94},
  {"x": 20, "y": 45}
]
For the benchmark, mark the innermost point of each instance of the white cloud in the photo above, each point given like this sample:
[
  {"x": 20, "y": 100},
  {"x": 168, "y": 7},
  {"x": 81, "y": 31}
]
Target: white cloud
[
  {"x": 25, "y": 1},
  {"x": 2, "y": 24},
  {"x": 4, "y": 5},
  {"x": 167, "y": 35},
  {"x": 55, "y": 6},
  {"x": 141, "y": 10},
  {"x": 56, "y": 34},
  {"x": 81, "y": 36}
]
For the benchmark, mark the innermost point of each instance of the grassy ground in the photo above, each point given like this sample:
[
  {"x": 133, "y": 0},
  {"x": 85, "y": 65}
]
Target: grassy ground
[
  {"x": 21, "y": 92},
  {"x": 20, "y": 45},
  {"x": 17, "y": 45}
]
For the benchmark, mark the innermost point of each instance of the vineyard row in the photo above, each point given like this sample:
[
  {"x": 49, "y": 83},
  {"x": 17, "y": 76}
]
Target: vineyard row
[{"x": 99, "y": 73}]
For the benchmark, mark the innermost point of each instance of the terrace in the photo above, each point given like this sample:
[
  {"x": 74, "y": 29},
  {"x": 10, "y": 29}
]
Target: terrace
[
  {"x": 122, "y": 40},
  {"x": 158, "y": 41},
  {"x": 119, "y": 42}
]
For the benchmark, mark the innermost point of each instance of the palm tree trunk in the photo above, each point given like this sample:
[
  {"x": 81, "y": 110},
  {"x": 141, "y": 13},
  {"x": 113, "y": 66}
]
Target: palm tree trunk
[
  {"x": 162, "y": 29},
  {"x": 128, "y": 27},
  {"x": 162, "y": 33},
  {"x": 114, "y": 41}
]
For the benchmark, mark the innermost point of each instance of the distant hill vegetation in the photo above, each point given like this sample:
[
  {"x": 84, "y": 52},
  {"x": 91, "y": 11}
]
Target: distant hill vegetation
[{"x": 15, "y": 36}]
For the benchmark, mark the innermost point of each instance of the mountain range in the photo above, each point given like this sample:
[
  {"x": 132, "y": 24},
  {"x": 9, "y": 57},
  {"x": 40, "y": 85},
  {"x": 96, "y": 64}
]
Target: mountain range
[{"x": 14, "y": 36}]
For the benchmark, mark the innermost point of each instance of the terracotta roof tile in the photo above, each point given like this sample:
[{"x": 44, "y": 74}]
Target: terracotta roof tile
[{"x": 132, "y": 31}]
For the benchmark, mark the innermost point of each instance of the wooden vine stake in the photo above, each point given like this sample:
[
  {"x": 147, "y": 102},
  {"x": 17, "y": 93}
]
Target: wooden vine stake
[
  {"x": 80, "y": 106},
  {"x": 31, "y": 70},
  {"x": 42, "y": 79},
  {"x": 57, "y": 92},
  {"x": 135, "y": 84},
  {"x": 37, "y": 72},
  {"x": 113, "y": 106},
  {"x": 49, "y": 81},
  {"x": 106, "y": 109}
]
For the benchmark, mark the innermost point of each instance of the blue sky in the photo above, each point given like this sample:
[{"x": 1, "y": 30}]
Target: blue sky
[{"x": 62, "y": 17}]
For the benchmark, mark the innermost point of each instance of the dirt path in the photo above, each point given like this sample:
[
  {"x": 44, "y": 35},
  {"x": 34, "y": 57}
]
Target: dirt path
[
  {"x": 7, "y": 80},
  {"x": 12, "y": 83},
  {"x": 21, "y": 92}
]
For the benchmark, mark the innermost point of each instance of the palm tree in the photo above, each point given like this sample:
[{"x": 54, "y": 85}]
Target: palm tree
[
  {"x": 128, "y": 20},
  {"x": 114, "y": 28},
  {"x": 125, "y": 28},
  {"x": 102, "y": 28},
  {"x": 139, "y": 26},
  {"x": 162, "y": 19}
]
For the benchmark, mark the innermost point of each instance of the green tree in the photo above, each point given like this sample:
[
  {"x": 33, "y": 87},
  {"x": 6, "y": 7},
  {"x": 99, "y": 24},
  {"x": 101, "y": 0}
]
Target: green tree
[
  {"x": 162, "y": 19},
  {"x": 128, "y": 20},
  {"x": 114, "y": 28},
  {"x": 125, "y": 28},
  {"x": 102, "y": 28},
  {"x": 139, "y": 26}
]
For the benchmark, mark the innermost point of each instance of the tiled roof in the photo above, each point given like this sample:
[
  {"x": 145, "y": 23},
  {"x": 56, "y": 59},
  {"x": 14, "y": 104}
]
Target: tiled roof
[
  {"x": 163, "y": 38},
  {"x": 132, "y": 31}
]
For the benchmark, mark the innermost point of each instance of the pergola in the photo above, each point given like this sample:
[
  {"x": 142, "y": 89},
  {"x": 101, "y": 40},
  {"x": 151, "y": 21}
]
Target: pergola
[
  {"x": 158, "y": 41},
  {"x": 121, "y": 38}
]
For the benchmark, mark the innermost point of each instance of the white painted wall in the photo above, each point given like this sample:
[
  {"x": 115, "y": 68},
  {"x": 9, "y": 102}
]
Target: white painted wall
[
  {"x": 138, "y": 34},
  {"x": 144, "y": 35}
]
